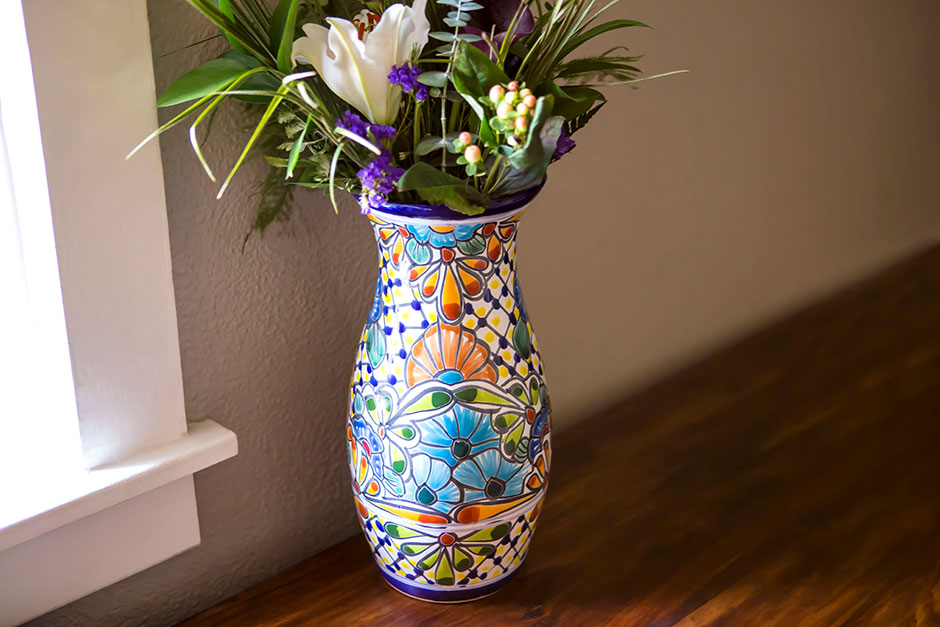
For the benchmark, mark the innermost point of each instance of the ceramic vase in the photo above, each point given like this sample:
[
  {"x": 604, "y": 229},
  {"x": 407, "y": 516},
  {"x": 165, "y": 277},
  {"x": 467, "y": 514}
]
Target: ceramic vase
[{"x": 449, "y": 419}]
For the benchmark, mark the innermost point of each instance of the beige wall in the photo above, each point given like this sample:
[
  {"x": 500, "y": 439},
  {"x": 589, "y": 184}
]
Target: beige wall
[{"x": 799, "y": 154}]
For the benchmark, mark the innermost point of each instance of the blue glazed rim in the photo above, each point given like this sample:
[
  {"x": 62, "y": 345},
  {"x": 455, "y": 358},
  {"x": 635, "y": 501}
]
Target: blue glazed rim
[
  {"x": 502, "y": 205},
  {"x": 448, "y": 596}
]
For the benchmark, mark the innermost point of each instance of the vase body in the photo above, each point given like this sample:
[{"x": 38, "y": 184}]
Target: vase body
[{"x": 449, "y": 418}]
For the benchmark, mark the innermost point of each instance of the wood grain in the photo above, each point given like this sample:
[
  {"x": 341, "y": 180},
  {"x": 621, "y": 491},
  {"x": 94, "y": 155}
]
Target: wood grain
[{"x": 793, "y": 479}]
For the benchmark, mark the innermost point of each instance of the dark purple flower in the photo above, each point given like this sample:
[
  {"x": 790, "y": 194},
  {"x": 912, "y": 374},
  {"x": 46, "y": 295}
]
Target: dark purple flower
[
  {"x": 496, "y": 16},
  {"x": 378, "y": 179},
  {"x": 407, "y": 77},
  {"x": 353, "y": 123},
  {"x": 564, "y": 145},
  {"x": 380, "y": 131}
]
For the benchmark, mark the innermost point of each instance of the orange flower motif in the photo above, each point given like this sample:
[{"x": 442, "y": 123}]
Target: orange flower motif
[{"x": 451, "y": 354}]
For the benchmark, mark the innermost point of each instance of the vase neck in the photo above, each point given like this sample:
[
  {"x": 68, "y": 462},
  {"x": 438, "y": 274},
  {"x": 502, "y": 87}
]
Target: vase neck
[{"x": 440, "y": 268}]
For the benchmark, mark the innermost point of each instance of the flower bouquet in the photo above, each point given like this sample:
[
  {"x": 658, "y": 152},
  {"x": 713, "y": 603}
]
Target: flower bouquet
[{"x": 449, "y": 102}]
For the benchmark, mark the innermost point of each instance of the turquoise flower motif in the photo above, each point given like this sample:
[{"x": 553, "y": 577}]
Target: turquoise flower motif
[
  {"x": 489, "y": 476},
  {"x": 430, "y": 484},
  {"x": 457, "y": 435},
  {"x": 442, "y": 236},
  {"x": 376, "y": 310}
]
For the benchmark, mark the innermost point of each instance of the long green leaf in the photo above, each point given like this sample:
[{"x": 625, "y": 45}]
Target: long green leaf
[
  {"x": 208, "y": 110},
  {"x": 176, "y": 120},
  {"x": 234, "y": 32},
  {"x": 275, "y": 102},
  {"x": 283, "y": 23},
  {"x": 580, "y": 39},
  {"x": 225, "y": 6},
  {"x": 333, "y": 163}
]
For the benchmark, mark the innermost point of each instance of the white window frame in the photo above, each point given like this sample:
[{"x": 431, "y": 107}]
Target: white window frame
[{"x": 133, "y": 504}]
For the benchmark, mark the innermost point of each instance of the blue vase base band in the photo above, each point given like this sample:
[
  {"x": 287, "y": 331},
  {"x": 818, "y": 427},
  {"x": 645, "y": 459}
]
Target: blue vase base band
[{"x": 447, "y": 595}]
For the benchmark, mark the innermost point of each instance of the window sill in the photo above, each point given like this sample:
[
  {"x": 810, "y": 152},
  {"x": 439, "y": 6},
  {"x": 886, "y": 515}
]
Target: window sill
[{"x": 205, "y": 444}]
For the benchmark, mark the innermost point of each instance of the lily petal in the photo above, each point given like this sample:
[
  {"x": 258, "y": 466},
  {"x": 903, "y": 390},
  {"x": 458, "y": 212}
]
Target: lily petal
[{"x": 357, "y": 71}]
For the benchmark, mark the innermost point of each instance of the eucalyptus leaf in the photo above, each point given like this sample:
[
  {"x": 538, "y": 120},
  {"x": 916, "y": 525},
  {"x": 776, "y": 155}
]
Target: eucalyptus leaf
[
  {"x": 428, "y": 145},
  {"x": 432, "y": 79}
]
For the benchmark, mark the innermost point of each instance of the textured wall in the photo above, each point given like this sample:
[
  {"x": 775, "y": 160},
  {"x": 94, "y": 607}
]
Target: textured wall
[{"x": 799, "y": 154}]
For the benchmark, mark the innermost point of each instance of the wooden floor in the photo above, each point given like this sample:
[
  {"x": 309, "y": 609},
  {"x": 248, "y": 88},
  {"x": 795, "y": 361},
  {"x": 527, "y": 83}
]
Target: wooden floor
[{"x": 791, "y": 480}]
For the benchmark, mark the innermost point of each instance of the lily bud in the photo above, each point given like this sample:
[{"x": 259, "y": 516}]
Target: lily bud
[
  {"x": 521, "y": 124},
  {"x": 473, "y": 154},
  {"x": 503, "y": 110},
  {"x": 497, "y": 92},
  {"x": 529, "y": 101}
]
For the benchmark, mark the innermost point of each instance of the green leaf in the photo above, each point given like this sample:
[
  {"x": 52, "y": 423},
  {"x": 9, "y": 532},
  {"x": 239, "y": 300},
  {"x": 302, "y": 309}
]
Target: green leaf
[
  {"x": 432, "y": 79},
  {"x": 295, "y": 149},
  {"x": 572, "y": 100},
  {"x": 436, "y": 186},
  {"x": 517, "y": 180},
  {"x": 428, "y": 145},
  {"x": 263, "y": 81},
  {"x": 205, "y": 79},
  {"x": 618, "y": 67},
  {"x": 474, "y": 73},
  {"x": 578, "y": 40},
  {"x": 532, "y": 151},
  {"x": 283, "y": 24}
]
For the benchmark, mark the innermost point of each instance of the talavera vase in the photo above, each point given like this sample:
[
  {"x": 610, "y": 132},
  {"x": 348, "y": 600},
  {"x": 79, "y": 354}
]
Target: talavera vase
[{"x": 449, "y": 419}]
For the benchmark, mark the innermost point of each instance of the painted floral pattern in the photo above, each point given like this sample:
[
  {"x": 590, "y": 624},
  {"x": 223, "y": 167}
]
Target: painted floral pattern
[{"x": 448, "y": 435}]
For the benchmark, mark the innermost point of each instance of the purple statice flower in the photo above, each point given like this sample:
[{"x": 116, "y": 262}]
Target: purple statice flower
[
  {"x": 380, "y": 131},
  {"x": 353, "y": 123},
  {"x": 407, "y": 77},
  {"x": 564, "y": 145},
  {"x": 378, "y": 179}
]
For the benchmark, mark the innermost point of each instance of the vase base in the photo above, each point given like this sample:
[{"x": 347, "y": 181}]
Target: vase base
[{"x": 447, "y": 596}]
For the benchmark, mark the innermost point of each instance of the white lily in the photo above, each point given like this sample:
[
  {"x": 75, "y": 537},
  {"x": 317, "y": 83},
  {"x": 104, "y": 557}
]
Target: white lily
[{"x": 357, "y": 71}]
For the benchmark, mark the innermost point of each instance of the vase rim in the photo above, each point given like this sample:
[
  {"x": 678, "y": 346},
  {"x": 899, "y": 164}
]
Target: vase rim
[{"x": 500, "y": 209}]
